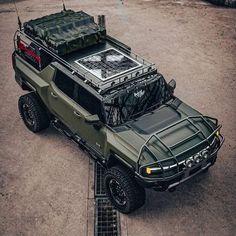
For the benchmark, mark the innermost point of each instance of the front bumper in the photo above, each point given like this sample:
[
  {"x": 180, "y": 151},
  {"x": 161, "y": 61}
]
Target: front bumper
[{"x": 173, "y": 181}]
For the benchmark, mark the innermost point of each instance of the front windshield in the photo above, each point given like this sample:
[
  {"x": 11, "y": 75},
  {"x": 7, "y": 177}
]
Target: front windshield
[{"x": 134, "y": 103}]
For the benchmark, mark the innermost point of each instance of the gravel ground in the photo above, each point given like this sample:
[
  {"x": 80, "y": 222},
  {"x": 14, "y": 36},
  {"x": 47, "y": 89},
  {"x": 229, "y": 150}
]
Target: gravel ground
[{"x": 44, "y": 179}]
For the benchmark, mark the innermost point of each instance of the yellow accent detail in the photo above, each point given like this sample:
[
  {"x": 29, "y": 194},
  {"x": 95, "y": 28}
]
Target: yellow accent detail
[
  {"x": 148, "y": 170},
  {"x": 218, "y": 133}
]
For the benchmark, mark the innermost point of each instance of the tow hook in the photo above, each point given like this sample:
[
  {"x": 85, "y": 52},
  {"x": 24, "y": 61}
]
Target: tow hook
[{"x": 171, "y": 190}]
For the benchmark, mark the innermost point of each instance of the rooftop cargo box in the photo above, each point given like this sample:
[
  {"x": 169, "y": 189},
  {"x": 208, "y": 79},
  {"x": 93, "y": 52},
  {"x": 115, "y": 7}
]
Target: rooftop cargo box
[{"x": 66, "y": 31}]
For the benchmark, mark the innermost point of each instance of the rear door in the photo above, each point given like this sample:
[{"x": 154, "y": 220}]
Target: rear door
[{"x": 71, "y": 103}]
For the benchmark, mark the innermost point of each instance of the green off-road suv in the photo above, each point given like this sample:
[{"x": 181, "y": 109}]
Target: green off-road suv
[{"x": 113, "y": 103}]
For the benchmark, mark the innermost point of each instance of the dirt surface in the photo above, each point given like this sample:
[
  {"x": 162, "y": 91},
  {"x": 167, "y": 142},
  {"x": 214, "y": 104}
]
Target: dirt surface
[{"x": 44, "y": 179}]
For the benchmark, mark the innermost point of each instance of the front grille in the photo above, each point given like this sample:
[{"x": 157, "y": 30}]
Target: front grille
[{"x": 107, "y": 223}]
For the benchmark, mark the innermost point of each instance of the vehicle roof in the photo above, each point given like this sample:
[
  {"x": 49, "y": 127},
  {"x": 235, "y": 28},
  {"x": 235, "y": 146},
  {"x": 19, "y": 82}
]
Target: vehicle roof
[
  {"x": 138, "y": 69},
  {"x": 105, "y": 65},
  {"x": 137, "y": 82}
]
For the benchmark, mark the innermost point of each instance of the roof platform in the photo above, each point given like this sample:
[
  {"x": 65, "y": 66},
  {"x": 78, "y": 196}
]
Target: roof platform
[
  {"x": 106, "y": 65},
  {"x": 80, "y": 44}
]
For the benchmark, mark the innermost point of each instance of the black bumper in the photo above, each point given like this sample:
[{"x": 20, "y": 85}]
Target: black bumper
[{"x": 173, "y": 181}]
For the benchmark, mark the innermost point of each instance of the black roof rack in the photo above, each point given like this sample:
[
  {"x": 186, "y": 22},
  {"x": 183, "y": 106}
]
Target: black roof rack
[{"x": 88, "y": 77}]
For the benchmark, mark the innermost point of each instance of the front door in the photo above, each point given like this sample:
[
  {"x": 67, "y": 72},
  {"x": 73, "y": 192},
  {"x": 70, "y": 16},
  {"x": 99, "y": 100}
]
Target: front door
[{"x": 64, "y": 101}]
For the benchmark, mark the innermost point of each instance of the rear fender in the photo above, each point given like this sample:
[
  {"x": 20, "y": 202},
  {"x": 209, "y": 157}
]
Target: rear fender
[{"x": 31, "y": 79}]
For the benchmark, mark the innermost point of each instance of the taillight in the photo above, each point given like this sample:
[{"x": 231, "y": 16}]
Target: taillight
[{"x": 27, "y": 50}]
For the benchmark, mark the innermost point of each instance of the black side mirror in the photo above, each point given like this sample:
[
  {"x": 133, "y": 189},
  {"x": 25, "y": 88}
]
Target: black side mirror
[
  {"x": 172, "y": 85},
  {"x": 92, "y": 119}
]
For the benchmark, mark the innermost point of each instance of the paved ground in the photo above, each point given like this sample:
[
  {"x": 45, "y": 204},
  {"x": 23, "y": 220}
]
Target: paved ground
[{"x": 44, "y": 179}]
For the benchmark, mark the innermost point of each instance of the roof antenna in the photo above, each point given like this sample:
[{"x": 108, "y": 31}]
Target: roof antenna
[
  {"x": 63, "y": 4},
  {"x": 17, "y": 13}
]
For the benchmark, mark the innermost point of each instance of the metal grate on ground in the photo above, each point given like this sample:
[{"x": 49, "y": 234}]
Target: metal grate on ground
[
  {"x": 99, "y": 181},
  {"x": 106, "y": 219}
]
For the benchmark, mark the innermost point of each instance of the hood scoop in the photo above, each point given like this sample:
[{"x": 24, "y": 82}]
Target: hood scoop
[{"x": 156, "y": 120}]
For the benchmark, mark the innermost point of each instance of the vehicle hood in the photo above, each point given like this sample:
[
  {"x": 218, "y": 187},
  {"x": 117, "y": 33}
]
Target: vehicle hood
[{"x": 139, "y": 131}]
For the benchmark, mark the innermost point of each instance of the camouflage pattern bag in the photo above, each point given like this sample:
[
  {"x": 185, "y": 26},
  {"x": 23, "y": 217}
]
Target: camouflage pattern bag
[{"x": 66, "y": 31}]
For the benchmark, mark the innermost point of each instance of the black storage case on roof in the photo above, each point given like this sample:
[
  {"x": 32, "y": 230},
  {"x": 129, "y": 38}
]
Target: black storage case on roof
[{"x": 66, "y": 31}]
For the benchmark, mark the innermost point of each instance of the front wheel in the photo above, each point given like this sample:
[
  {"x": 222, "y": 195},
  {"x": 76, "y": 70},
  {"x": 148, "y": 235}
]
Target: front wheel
[{"x": 123, "y": 191}]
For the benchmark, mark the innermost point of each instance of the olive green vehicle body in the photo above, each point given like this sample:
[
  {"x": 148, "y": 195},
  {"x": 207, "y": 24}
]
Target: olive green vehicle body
[{"x": 175, "y": 139}]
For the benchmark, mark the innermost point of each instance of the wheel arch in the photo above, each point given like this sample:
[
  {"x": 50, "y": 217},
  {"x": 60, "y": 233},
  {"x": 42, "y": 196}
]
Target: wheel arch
[
  {"x": 41, "y": 102},
  {"x": 115, "y": 159}
]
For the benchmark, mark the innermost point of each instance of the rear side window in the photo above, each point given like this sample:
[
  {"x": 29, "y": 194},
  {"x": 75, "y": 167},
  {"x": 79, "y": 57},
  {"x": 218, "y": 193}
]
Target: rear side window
[{"x": 65, "y": 84}]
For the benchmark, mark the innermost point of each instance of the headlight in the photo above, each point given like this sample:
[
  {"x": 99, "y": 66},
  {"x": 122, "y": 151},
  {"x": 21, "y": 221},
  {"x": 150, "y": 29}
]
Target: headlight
[
  {"x": 153, "y": 170},
  {"x": 148, "y": 170}
]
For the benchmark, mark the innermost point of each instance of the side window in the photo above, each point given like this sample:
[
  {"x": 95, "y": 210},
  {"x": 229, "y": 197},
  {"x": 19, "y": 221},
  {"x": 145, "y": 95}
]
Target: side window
[
  {"x": 89, "y": 102},
  {"x": 65, "y": 84}
]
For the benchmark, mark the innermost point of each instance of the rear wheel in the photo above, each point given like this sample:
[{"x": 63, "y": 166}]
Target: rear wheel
[
  {"x": 32, "y": 112},
  {"x": 122, "y": 189}
]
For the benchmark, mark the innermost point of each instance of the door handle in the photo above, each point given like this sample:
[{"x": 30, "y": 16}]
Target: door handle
[
  {"x": 76, "y": 114},
  {"x": 53, "y": 95}
]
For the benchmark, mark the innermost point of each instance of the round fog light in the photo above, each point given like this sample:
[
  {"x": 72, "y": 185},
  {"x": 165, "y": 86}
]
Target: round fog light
[
  {"x": 205, "y": 153},
  {"x": 189, "y": 163},
  {"x": 197, "y": 158}
]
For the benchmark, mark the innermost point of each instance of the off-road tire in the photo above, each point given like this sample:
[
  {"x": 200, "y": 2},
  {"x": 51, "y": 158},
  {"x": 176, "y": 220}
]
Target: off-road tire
[
  {"x": 228, "y": 3},
  {"x": 135, "y": 194},
  {"x": 38, "y": 115}
]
